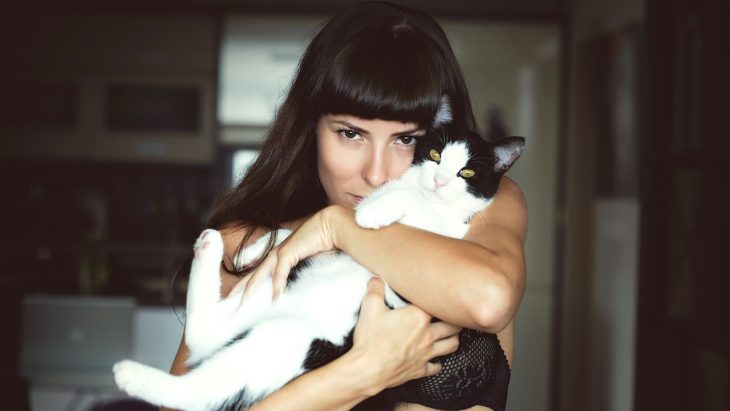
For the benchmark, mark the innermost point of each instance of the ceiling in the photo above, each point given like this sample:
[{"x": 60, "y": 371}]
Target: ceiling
[{"x": 497, "y": 9}]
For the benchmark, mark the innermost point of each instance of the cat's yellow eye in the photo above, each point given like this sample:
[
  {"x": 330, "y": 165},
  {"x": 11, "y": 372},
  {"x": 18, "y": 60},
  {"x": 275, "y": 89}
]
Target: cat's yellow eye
[
  {"x": 467, "y": 172},
  {"x": 435, "y": 156}
]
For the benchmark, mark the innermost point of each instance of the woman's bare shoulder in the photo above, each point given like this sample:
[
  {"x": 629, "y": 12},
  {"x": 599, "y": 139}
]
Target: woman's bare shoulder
[
  {"x": 507, "y": 211},
  {"x": 232, "y": 235},
  {"x": 510, "y": 192}
]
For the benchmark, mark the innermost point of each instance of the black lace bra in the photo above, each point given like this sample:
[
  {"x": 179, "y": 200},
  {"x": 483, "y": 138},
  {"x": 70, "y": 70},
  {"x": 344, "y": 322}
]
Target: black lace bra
[{"x": 477, "y": 373}]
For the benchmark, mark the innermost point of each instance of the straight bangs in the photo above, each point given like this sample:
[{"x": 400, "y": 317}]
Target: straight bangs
[{"x": 387, "y": 75}]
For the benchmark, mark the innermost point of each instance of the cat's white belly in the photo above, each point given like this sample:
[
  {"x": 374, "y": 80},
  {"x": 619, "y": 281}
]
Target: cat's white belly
[{"x": 327, "y": 296}]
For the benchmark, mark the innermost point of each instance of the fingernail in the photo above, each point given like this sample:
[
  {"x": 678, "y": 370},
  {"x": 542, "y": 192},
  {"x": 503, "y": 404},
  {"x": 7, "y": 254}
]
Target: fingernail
[{"x": 373, "y": 281}]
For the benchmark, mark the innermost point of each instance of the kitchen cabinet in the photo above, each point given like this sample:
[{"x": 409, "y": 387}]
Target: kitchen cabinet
[{"x": 110, "y": 88}]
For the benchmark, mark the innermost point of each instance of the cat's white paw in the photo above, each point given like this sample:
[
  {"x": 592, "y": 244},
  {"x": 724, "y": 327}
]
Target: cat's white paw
[
  {"x": 130, "y": 377},
  {"x": 376, "y": 215},
  {"x": 208, "y": 247}
]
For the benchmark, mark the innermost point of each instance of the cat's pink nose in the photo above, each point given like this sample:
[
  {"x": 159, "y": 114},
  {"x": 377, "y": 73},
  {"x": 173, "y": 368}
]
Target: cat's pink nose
[{"x": 439, "y": 182}]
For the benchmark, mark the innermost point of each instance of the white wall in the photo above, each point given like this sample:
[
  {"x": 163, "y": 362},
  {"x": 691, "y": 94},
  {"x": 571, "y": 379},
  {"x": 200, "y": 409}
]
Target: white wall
[
  {"x": 517, "y": 67},
  {"x": 591, "y": 18},
  {"x": 613, "y": 312},
  {"x": 602, "y": 234}
]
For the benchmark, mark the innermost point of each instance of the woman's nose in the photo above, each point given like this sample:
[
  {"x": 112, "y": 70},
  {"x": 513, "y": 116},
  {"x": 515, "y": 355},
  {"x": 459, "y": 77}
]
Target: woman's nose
[{"x": 375, "y": 171}]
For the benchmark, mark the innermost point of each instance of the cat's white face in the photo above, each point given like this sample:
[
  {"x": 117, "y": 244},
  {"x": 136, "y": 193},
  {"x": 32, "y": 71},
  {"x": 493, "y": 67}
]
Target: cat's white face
[{"x": 441, "y": 179}]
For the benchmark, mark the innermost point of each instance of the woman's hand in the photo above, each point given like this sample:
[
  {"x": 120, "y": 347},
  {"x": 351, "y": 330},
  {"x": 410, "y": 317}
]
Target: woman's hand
[
  {"x": 396, "y": 345},
  {"x": 312, "y": 237}
]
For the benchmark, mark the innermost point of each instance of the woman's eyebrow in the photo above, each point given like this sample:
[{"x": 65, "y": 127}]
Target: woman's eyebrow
[
  {"x": 363, "y": 131},
  {"x": 410, "y": 131},
  {"x": 352, "y": 126}
]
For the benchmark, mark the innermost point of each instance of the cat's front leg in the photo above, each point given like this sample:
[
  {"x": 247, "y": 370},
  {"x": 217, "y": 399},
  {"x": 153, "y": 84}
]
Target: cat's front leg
[
  {"x": 206, "y": 313},
  {"x": 383, "y": 208},
  {"x": 204, "y": 285},
  {"x": 212, "y": 321}
]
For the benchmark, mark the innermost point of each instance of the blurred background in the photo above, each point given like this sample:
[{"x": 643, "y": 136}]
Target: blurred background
[{"x": 120, "y": 122}]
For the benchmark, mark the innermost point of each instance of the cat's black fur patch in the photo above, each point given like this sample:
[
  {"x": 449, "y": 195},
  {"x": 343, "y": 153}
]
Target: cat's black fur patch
[
  {"x": 488, "y": 174},
  {"x": 294, "y": 272},
  {"x": 237, "y": 338},
  {"x": 236, "y": 402},
  {"x": 323, "y": 352}
]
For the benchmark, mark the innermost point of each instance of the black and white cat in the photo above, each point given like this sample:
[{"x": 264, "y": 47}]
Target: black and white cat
[{"x": 243, "y": 351}]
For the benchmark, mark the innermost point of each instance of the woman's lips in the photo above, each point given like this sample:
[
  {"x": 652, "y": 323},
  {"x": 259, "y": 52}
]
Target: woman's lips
[{"x": 357, "y": 198}]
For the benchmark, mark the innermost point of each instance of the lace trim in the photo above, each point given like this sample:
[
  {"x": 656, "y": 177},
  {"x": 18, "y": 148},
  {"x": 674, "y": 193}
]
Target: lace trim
[{"x": 467, "y": 375}]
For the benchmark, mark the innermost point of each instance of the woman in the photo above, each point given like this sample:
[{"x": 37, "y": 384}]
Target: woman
[{"x": 368, "y": 86}]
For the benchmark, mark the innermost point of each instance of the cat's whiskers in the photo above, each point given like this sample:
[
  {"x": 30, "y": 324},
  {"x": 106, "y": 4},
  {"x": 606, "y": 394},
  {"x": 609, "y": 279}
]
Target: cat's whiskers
[
  {"x": 442, "y": 137},
  {"x": 480, "y": 160},
  {"x": 482, "y": 218}
]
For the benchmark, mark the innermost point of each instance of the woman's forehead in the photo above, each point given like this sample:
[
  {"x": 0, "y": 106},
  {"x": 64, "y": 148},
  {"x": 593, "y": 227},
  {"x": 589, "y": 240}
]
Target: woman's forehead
[{"x": 367, "y": 124}]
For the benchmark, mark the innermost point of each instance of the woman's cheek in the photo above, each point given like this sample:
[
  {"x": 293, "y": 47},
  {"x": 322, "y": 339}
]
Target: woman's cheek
[
  {"x": 337, "y": 165},
  {"x": 341, "y": 156},
  {"x": 404, "y": 159}
]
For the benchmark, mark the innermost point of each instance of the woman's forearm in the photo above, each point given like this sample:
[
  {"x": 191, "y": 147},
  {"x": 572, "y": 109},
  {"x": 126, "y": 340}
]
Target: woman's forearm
[
  {"x": 339, "y": 385},
  {"x": 418, "y": 265},
  {"x": 458, "y": 281}
]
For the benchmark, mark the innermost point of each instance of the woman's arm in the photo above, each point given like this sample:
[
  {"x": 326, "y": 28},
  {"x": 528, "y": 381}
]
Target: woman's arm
[{"x": 476, "y": 282}]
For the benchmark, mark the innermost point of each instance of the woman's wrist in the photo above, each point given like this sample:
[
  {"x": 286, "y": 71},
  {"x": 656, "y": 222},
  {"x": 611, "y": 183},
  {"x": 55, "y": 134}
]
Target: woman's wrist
[
  {"x": 358, "y": 368},
  {"x": 337, "y": 219}
]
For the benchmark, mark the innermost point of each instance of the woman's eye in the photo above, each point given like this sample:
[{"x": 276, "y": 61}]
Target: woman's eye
[
  {"x": 349, "y": 134},
  {"x": 408, "y": 140}
]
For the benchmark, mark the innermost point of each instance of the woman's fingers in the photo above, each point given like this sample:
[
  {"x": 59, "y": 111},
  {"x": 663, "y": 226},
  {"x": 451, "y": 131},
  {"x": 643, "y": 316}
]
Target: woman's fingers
[
  {"x": 240, "y": 285},
  {"x": 401, "y": 343},
  {"x": 374, "y": 301},
  {"x": 441, "y": 329},
  {"x": 285, "y": 261},
  {"x": 312, "y": 237},
  {"x": 263, "y": 270},
  {"x": 432, "y": 368},
  {"x": 445, "y": 346}
]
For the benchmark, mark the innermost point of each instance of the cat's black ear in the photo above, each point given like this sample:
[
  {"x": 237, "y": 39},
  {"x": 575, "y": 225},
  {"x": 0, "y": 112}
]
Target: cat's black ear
[{"x": 506, "y": 152}]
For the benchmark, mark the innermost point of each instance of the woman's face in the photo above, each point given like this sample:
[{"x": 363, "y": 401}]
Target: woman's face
[{"x": 355, "y": 156}]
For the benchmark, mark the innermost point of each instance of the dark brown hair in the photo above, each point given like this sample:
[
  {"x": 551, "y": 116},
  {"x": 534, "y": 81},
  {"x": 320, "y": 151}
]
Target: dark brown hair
[{"x": 372, "y": 60}]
